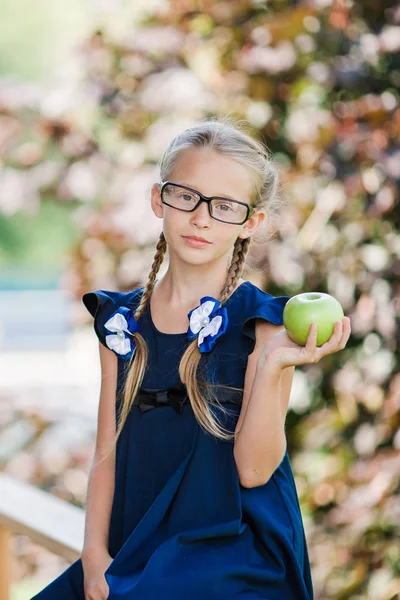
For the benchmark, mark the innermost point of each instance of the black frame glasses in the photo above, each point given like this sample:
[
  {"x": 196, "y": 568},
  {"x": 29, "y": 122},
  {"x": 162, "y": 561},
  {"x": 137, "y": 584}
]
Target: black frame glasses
[{"x": 250, "y": 209}]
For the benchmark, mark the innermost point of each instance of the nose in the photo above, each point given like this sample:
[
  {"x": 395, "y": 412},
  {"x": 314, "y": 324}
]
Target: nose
[{"x": 201, "y": 216}]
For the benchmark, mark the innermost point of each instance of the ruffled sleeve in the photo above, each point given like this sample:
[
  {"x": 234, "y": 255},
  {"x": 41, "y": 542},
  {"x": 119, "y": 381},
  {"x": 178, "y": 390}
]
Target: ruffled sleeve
[
  {"x": 101, "y": 304},
  {"x": 270, "y": 309}
]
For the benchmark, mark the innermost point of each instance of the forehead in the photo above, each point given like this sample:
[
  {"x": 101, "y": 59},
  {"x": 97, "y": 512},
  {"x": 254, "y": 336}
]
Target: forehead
[{"x": 213, "y": 174}]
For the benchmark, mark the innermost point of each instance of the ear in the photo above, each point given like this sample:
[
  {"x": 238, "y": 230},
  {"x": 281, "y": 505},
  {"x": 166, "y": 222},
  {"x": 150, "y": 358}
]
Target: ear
[
  {"x": 251, "y": 226},
  {"x": 156, "y": 203}
]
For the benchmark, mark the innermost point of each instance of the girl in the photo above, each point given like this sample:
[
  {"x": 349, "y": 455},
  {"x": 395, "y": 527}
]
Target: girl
[{"x": 191, "y": 494}]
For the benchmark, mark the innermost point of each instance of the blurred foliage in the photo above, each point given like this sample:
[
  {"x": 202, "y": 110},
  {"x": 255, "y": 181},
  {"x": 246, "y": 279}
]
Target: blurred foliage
[
  {"x": 27, "y": 238},
  {"x": 34, "y": 41},
  {"x": 319, "y": 83}
]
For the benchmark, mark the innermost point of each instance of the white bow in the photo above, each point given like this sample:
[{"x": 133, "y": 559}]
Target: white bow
[
  {"x": 200, "y": 321},
  {"x": 211, "y": 329},
  {"x": 118, "y": 342}
]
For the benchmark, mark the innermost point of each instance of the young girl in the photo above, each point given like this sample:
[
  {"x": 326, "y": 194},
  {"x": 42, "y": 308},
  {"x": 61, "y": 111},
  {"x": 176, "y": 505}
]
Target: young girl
[{"x": 191, "y": 494}]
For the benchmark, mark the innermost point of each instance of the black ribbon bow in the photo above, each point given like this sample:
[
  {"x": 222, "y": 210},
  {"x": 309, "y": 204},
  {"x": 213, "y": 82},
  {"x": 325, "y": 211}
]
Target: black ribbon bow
[
  {"x": 146, "y": 399},
  {"x": 177, "y": 396}
]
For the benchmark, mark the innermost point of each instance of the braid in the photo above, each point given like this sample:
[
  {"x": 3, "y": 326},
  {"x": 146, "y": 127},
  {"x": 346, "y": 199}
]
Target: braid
[
  {"x": 188, "y": 367},
  {"x": 161, "y": 249},
  {"x": 136, "y": 367},
  {"x": 240, "y": 250}
]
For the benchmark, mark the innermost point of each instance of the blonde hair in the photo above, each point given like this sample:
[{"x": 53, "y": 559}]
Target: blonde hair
[{"x": 226, "y": 136}]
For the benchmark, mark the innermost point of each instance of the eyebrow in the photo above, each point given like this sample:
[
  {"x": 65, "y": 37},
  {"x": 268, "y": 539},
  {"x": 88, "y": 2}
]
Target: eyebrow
[{"x": 228, "y": 197}]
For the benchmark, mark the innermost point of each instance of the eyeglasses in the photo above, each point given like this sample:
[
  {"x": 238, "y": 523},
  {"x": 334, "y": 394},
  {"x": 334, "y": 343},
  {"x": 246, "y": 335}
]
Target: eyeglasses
[{"x": 221, "y": 209}]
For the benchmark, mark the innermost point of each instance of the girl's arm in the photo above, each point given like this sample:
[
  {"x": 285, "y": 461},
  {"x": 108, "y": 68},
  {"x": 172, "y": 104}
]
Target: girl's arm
[
  {"x": 101, "y": 483},
  {"x": 260, "y": 442}
]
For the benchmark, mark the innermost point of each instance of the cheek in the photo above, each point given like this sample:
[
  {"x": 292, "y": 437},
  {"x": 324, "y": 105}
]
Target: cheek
[
  {"x": 175, "y": 224},
  {"x": 228, "y": 235},
  {"x": 224, "y": 241},
  {"x": 173, "y": 220}
]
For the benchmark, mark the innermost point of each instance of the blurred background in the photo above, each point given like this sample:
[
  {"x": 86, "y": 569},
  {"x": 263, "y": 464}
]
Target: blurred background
[{"x": 91, "y": 92}]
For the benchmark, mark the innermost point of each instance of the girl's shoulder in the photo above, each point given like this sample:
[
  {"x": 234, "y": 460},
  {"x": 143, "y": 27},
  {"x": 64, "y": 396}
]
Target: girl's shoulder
[
  {"x": 255, "y": 296},
  {"x": 254, "y": 303},
  {"x": 96, "y": 300},
  {"x": 102, "y": 304}
]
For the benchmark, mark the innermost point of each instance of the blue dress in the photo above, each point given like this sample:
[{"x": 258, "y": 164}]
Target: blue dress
[{"x": 182, "y": 526}]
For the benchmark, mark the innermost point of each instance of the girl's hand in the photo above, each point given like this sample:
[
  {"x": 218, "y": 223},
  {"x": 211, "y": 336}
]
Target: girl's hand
[
  {"x": 94, "y": 567},
  {"x": 281, "y": 351}
]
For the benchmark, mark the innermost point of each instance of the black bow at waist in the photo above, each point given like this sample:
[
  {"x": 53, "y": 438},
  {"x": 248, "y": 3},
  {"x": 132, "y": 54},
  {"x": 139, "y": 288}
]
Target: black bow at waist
[{"x": 177, "y": 396}]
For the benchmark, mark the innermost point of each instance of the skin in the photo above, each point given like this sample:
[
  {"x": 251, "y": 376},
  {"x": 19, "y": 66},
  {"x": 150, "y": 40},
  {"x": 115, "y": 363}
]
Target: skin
[{"x": 282, "y": 352}]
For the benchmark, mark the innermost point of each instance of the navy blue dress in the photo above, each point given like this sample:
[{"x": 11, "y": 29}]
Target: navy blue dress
[{"x": 182, "y": 526}]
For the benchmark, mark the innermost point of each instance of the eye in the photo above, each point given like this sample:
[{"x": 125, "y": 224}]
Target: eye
[
  {"x": 186, "y": 196},
  {"x": 226, "y": 206}
]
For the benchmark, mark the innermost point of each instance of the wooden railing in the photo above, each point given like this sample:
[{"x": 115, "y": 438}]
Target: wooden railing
[{"x": 46, "y": 519}]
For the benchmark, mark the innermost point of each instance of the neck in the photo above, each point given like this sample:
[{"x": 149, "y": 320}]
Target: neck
[{"x": 187, "y": 292}]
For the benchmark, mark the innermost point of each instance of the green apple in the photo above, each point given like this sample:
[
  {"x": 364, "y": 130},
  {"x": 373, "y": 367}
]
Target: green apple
[{"x": 311, "y": 307}]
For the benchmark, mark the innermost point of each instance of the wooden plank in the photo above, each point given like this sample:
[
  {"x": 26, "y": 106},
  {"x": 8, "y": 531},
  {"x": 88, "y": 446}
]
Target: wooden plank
[
  {"x": 46, "y": 519},
  {"x": 5, "y": 563}
]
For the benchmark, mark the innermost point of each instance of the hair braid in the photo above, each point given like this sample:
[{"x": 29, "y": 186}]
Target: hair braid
[
  {"x": 188, "y": 368},
  {"x": 240, "y": 250},
  {"x": 161, "y": 249},
  {"x": 136, "y": 366}
]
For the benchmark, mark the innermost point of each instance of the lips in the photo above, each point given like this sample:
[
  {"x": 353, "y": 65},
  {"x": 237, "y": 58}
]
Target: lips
[{"x": 193, "y": 237}]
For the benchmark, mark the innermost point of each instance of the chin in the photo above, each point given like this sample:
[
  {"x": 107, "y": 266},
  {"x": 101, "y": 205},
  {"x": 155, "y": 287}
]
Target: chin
[
  {"x": 200, "y": 259},
  {"x": 193, "y": 256}
]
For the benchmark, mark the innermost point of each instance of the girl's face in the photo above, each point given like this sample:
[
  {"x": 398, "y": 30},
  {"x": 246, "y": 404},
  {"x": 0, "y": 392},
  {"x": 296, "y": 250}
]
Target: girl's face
[{"x": 212, "y": 174}]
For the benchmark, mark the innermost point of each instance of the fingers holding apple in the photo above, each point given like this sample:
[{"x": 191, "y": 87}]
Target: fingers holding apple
[
  {"x": 337, "y": 341},
  {"x": 281, "y": 351},
  {"x": 311, "y": 307}
]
